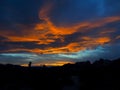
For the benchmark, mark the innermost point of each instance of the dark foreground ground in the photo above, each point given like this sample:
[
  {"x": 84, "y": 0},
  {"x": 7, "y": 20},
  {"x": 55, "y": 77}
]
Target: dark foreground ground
[{"x": 101, "y": 75}]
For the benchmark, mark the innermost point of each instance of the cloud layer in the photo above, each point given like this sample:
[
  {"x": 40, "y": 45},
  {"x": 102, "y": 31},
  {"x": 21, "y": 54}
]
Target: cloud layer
[{"x": 57, "y": 28}]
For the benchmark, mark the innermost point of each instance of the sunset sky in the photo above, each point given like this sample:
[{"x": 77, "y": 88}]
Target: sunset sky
[{"x": 55, "y": 32}]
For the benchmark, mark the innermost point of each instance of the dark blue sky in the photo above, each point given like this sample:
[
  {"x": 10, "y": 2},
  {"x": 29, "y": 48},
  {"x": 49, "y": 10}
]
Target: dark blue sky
[{"x": 55, "y": 32}]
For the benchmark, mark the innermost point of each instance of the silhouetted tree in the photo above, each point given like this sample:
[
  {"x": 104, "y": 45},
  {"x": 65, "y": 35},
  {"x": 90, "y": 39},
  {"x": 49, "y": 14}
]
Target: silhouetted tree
[{"x": 29, "y": 65}]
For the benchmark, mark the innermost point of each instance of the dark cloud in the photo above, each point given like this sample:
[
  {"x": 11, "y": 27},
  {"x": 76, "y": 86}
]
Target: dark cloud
[
  {"x": 73, "y": 11},
  {"x": 3, "y": 38},
  {"x": 8, "y": 59},
  {"x": 19, "y": 11}
]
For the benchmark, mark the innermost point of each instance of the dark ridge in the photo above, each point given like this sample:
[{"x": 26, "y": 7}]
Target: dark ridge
[{"x": 100, "y": 75}]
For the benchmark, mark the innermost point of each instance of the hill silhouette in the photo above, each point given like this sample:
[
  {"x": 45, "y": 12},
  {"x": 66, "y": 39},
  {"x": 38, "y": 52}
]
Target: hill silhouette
[{"x": 100, "y": 75}]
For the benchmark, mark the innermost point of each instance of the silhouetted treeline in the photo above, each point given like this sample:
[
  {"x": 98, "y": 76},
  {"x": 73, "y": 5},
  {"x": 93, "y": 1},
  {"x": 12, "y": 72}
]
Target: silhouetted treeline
[{"x": 100, "y": 75}]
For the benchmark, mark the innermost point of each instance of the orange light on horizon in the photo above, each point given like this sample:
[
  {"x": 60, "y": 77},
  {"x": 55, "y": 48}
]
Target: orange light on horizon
[{"x": 56, "y": 63}]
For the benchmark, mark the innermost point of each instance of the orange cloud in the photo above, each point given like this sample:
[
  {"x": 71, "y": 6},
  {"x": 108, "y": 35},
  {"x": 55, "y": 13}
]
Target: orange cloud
[
  {"x": 87, "y": 42},
  {"x": 107, "y": 31},
  {"x": 47, "y": 34},
  {"x": 103, "y": 40}
]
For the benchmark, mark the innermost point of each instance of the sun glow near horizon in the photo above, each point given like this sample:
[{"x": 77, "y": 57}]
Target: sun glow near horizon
[{"x": 59, "y": 63}]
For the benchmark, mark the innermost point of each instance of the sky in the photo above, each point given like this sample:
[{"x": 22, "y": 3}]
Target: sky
[{"x": 55, "y": 32}]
